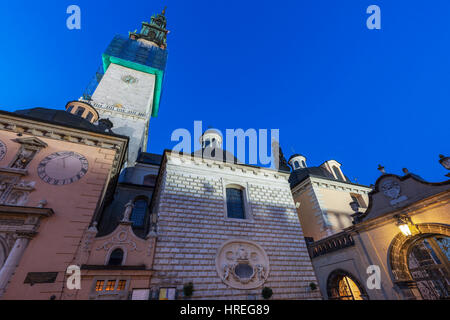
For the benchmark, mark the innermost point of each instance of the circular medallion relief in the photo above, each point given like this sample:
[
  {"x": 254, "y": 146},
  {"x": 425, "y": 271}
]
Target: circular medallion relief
[
  {"x": 62, "y": 168},
  {"x": 242, "y": 264},
  {"x": 390, "y": 188},
  {"x": 2, "y": 149}
]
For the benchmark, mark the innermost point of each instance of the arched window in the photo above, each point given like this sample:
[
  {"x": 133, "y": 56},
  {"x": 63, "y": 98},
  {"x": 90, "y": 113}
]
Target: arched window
[
  {"x": 338, "y": 174},
  {"x": 116, "y": 257},
  {"x": 343, "y": 286},
  {"x": 89, "y": 116},
  {"x": 235, "y": 203},
  {"x": 428, "y": 263},
  {"x": 296, "y": 165},
  {"x": 304, "y": 163},
  {"x": 139, "y": 212}
]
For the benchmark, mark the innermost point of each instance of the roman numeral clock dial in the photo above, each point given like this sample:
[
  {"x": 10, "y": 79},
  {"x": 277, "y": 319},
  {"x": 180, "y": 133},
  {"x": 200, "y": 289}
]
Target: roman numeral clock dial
[{"x": 64, "y": 167}]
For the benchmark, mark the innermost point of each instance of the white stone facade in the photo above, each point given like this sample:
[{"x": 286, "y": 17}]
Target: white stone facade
[
  {"x": 125, "y": 96},
  {"x": 192, "y": 228}
]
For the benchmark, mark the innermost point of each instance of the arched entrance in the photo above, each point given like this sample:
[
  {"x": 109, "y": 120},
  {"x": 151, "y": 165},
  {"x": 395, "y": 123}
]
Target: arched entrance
[
  {"x": 420, "y": 263},
  {"x": 341, "y": 285}
]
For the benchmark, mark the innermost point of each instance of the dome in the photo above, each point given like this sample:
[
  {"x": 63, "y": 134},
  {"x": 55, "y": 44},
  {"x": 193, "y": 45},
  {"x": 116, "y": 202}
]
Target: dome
[
  {"x": 297, "y": 161},
  {"x": 211, "y": 137}
]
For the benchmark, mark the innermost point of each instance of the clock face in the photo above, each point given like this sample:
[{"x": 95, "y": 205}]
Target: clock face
[
  {"x": 2, "y": 149},
  {"x": 62, "y": 168},
  {"x": 129, "y": 79}
]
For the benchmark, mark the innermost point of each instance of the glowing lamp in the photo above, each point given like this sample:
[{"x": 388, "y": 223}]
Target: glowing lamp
[
  {"x": 404, "y": 223},
  {"x": 404, "y": 228}
]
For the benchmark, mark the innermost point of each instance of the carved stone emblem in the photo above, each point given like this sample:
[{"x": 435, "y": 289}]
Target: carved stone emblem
[
  {"x": 119, "y": 238},
  {"x": 392, "y": 190},
  {"x": 242, "y": 264}
]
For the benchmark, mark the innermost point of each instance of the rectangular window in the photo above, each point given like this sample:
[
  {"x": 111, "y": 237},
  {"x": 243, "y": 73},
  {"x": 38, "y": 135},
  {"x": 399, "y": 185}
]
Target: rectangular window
[
  {"x": 110, "y": 285},
  {"x": 235, "y": 203},
  {"x": 99, "y": 285},
  {"x": 121, "y": 285}
]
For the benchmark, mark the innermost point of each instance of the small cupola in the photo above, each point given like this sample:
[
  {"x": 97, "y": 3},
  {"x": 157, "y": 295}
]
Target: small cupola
[
  {"x": 297, "y": 161},
  {"x": 211, "y": 138},
  {"x": 83, "y": 110}
]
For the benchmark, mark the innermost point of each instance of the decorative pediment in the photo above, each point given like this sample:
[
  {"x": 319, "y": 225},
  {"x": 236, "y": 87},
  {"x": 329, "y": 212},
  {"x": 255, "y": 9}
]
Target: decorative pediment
[
  {"x": 31, "y": 142},
  {"x": 392, "y": 192}
]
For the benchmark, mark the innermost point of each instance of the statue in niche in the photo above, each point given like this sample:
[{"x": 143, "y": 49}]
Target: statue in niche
[{"x": 23, "y": 159}]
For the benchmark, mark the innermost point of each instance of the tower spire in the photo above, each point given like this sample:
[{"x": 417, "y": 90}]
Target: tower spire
[{"x": 154, "y": 31}]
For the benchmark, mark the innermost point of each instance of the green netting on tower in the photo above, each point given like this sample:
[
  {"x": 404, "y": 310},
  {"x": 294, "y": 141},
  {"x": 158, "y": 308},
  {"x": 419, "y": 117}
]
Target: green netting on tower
[{"x": 138, "y": 56}]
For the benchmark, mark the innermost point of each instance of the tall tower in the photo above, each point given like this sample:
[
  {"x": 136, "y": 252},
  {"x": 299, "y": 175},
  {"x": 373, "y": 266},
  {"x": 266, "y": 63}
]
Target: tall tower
[{"x": 129, "y": 91}]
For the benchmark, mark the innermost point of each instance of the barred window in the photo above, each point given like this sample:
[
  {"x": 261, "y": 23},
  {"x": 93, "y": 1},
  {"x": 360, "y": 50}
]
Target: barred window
[
  {"x": 121, "y": 285},
  {"x": 235, "y": 203},
  {"x": 110, "y": 285},
  {"x": 99, "y": 285}
]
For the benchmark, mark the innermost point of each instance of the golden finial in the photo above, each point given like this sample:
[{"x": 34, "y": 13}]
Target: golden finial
[{"x": 164, "y": 10}]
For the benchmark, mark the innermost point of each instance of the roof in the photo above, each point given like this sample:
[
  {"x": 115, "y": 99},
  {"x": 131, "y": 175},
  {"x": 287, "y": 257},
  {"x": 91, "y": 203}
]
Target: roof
[
  {"x": 149, "y": 158},
  {"x": 62, "y": 117},
  {"x": 299, "y": 175},
  {"x": 215, "y": 153},
  {"x": 296, "y": 155}
]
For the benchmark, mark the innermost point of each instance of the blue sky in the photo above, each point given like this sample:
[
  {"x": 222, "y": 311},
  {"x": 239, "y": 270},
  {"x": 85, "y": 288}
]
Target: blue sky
[{"x": 312, "y": 69}]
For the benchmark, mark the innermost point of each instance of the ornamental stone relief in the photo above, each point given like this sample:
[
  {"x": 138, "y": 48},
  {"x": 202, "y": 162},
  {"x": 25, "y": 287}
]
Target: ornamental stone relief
[
  {"x": 242, "y": 264},
  {"x": 14, "y": 191},
  {"x": 392, "y": 190},
  {"x": 120, "y": 237}
]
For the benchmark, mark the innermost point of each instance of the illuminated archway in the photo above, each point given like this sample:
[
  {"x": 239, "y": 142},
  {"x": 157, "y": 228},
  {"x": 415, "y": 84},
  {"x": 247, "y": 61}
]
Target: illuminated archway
[
  {"x": 341, "y": 285},
  {"x": 405, "y": 272}
]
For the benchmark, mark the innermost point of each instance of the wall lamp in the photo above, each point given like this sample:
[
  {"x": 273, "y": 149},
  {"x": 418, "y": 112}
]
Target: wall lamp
[{"x": 406, "y": 226}]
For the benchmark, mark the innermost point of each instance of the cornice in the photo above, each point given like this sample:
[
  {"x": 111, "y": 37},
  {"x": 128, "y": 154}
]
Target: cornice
[
  {"x": 329, "y": 184},
  {"x": 44, "y": 129},
  {"x": 218, "y": 166},
  {"x": 413, "y": 209}
]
